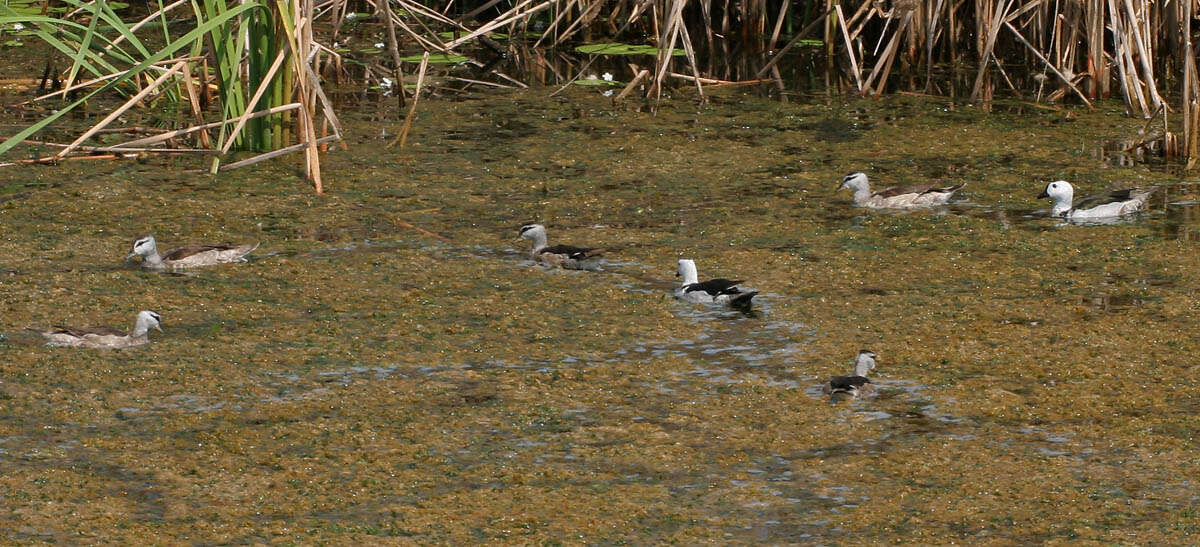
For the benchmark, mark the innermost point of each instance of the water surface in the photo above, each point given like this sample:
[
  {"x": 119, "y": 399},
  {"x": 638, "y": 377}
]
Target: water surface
[{"x": 360, "y": 378}]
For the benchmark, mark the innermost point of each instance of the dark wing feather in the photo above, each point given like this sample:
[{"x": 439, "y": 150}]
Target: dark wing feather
[
  {"x": 180, "y": 253},
  {"x": 901, "y": 190},
  {"x": 715, "y": 287},
  {"x": 919, "y": 189},
  {"x": 848, "y": 383},
  {"x": 1110, "y": 197},
  {"x": 576, "y": 253},
  {"x": 82, "y": 331}
]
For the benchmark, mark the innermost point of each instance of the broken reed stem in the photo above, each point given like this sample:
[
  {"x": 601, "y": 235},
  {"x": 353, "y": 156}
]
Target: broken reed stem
[
  {"x": 121, "y": 109},
  {"x": 1049, "y": 65},
  {"x": 394, "y": 49},
  {"x": 276, "y": 153},
  {"x": 715, "y": 82},
  {"x": 641, "y": 75},
  {"x": 402, "y": 138},
  {"x": 123, "y": 148},
  {"x": 180, "y": 132},
  {"x": 49, "y": 160}
]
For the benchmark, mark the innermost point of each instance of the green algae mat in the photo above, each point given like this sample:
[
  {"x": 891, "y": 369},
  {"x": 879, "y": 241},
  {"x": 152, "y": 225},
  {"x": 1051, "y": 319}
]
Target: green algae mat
[{"x": 389, "y": 367}]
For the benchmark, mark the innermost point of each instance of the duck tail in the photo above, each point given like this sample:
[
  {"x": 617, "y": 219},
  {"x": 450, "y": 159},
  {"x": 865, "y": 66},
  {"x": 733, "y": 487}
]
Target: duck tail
[{"x": 742, "y": 299}]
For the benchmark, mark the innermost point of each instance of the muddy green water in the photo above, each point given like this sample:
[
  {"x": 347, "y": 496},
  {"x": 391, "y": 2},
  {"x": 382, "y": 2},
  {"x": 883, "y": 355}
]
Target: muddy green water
[{"x": 361, "y": 381}]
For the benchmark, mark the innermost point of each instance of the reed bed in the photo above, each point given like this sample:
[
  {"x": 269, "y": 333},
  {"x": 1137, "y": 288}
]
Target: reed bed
[
  {"x": 254, "y": 59},
  {"x": 1058, "y": 51},
  {"x": 267, "y": 61}
]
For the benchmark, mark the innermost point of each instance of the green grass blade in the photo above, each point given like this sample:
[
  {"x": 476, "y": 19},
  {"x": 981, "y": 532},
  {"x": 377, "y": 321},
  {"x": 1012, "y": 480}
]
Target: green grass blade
[{"x": 187, "y": 39}]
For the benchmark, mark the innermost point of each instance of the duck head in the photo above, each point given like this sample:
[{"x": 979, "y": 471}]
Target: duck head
[
  {"x": 144, "y": 245},
  {"x": 687, "y": 270},
  {"x": 856, "y": 181},
  {"x": 864, "y": 363},
  {"x": 1062, "y": 193}
]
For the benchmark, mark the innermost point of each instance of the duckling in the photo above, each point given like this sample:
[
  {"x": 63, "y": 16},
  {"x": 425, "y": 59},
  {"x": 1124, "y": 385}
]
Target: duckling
[
  {"x": 714, "y": 291},
  {"x": 1111, "y": 204},
  {"x": 104, "y": 337},
  {"x": 564, "y": 256},
  {"x": 896, "y": 197},
  {"x": 857, "y": 385},
  {"x": 188, "y": 256}
]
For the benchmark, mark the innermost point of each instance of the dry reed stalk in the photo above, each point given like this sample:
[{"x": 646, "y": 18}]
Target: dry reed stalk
[
  {"x": 276, "y": 153},
  {"x": 402, "y": 138},
  {"x": 1145, "y": 55},
  {"x": 48, "y": 160},
  {"x": 414, "y": 227},
  {"x": 1067, "y": 81},
  {"x": 1097, "y": 67},
  {"x": 884, "y": 62},
  {"x": 394, "y": 49},
  {"x": 482, "y": 82},
  {"x": 308, "y": 87},
  {"x": 989, "y": 27},
  {"x": 511, "y": 15},
  {"x": 194, "y": 101},
  {"x": 578, "y": 23},
  {"x": 204, "y": 127},
  {"x": 1131, "y": 87},
  {"x": 666, "y": 45},
  {"x": 690, "y": 53},
  {"x": 715, "y": 82},
  {"x": 791, "y": 43},
  {"x": 637, "y": 79},
  {"x": 854, "y": 70},
  {"x": 121, "y": 109},
  {"x": 930, "y": 41},
  {"x": 1191, "y": 89},
  {"x": 124, "y": 148},
  {"x": 779, "y": 19}
]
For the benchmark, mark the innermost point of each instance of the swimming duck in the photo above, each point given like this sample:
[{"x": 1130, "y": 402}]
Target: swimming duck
[
  {"x": 1111, "y": 204},
  {"x": 857, "y": 385},
  {"x": 565, "y": 256},
  {"x": 713, "y": 291},
  {"x": 104, "y": 337},
  {"x": 188, "y": 256},
  {"x": 896, "y": 197}
]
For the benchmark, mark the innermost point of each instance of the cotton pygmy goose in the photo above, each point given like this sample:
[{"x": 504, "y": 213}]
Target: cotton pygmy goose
[
  {"x": 565, "y": 256},
  {"x": 104, "y": 337},
  {"x": 187, "y": 256},
  {"x": 714, "y": 291},
  {"x": 896, "y": 197},
  {"x": 856, "y": 385},
  {"x": 1110, "y": 204}
]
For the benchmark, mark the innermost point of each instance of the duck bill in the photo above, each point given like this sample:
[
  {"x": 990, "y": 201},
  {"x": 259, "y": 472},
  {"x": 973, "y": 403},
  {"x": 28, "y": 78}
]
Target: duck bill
[
  {"x": 1044, "y": 194},
  {"x": 130, "y": 256}
]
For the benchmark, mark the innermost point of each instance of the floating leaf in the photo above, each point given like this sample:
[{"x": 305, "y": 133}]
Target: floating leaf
[
  {"x": 623, "y": 49},
  {"x": 436, "y": 59},
  {"x": 598, "y": 82},
  {"x": 14, "y": 43}
]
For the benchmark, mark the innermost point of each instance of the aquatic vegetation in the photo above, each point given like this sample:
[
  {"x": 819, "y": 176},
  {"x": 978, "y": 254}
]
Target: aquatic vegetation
[{"x": 390, "y": 364}]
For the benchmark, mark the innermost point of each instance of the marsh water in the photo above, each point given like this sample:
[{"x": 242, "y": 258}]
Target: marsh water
[{"x": 389, "y": 366}]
